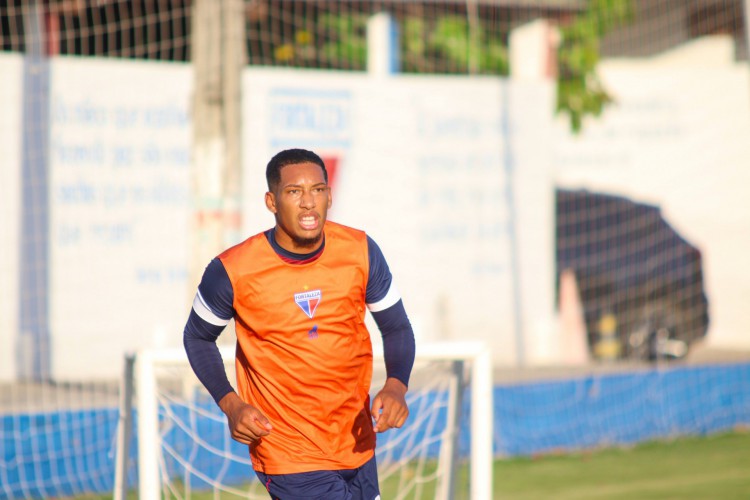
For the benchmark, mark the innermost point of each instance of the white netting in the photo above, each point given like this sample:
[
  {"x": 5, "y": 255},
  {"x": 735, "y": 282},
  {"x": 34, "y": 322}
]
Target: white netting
[{"x": 430, "y": 456}]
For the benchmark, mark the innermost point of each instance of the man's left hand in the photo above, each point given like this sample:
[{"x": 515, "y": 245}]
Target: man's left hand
[{"x": 389, "y": 406}]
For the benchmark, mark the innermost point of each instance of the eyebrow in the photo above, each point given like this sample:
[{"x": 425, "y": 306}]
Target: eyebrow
[{"x": 287, "y": 186}]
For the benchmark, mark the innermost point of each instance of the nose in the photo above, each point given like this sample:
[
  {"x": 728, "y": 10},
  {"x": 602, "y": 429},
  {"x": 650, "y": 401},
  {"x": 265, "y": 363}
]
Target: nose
[{"x": 307, "y": 200}]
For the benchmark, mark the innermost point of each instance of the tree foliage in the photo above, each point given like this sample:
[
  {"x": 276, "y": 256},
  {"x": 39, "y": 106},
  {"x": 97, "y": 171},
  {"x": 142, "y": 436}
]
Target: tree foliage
[
  {"x": 580, "y": 92},
  {"x": 449, "y": 44}
]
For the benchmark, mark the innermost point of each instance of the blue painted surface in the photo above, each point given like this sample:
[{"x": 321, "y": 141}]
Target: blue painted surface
[
  {"x": 71, "y": 452},
  {"x": 620, "y": 409},
  {"x": 57, "y": 454},
  {"x": 34, "y": 343}
]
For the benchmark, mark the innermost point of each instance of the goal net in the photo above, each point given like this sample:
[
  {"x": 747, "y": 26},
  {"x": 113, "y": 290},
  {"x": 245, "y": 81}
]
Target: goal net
[{"x": 443, "y": 451}]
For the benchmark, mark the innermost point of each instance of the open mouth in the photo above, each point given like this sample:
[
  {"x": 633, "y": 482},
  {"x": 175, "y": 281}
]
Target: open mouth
[{"x": 309, "y": 222}]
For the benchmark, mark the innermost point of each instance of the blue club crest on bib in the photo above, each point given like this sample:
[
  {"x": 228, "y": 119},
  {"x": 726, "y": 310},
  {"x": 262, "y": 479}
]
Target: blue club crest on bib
[{"x": 308, "y": 301}]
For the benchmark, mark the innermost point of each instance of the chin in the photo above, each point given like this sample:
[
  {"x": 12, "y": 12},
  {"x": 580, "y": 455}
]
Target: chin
[{"x": 303, "y": 241}]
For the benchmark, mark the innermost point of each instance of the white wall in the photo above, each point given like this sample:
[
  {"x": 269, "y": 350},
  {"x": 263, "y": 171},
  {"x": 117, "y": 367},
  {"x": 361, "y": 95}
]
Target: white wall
[
  {"x": 422, "y": 167},
  {"x": 425, "y": 165},
  {"x": 119, "y": 198},
  {"x": 425, "y": 168},
  {"x": 679, "y": 137},
  {"x": 10, "y": 208}
]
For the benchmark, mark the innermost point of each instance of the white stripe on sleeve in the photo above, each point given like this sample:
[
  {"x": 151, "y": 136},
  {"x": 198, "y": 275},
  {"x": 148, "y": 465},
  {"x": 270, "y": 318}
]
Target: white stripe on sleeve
[
  {"x": 202, "y": 310},
  {"x": 390, "y": 298}
]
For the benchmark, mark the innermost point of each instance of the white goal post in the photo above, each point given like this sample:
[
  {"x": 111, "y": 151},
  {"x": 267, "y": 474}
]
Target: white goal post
[{"x": 447, "y": 377}]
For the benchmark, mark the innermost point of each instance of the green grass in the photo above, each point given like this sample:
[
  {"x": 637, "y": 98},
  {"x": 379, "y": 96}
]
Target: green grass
[{"x": 712, "y": 468}]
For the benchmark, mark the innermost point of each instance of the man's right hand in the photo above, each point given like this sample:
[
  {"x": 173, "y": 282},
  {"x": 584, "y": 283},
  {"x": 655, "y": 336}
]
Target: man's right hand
[{"x": 246, "y": 423}]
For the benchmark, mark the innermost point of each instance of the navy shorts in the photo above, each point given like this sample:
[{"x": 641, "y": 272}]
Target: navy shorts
[{"x": 347, "y": 484}]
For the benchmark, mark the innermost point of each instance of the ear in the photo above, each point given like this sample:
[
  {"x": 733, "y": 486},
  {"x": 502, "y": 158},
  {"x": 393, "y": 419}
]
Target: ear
[
  {"x": 271, "y": 202},
  {"x": 330, "y": 198}
]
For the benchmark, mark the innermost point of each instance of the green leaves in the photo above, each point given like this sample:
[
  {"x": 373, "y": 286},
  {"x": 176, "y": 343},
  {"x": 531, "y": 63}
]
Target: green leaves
[
  {"x": 580, "y": 92},
  {"x": 346, "y": 40},
  {"x": 451, "y": 44}
]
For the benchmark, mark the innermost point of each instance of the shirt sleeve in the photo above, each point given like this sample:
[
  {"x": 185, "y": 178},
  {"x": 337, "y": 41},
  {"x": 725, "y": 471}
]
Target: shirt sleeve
[
  {"x": 381, "y": 293},
  {"x": 212, "y": 310},
  {"x": 387, "y": 309}
]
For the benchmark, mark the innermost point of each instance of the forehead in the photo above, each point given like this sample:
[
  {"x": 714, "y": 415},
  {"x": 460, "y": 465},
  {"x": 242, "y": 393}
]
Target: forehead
[{"x": 299, "y": 173}]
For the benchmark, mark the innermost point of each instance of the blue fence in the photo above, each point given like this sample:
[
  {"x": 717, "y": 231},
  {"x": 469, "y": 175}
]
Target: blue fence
[
  {"x": 71, "y": 452},
  {"x": 57, "y": 454},
  {"x": 620, "y": 409}
]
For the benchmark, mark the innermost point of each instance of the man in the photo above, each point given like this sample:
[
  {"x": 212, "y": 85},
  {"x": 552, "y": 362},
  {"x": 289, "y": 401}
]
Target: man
[{"x": 298, "y": 293}]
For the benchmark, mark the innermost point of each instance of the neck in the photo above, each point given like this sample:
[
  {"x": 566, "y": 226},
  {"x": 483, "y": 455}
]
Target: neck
[{"x": 293, "y": 252}]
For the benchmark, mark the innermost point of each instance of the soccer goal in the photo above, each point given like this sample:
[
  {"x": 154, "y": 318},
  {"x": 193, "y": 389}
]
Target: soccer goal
[{"x": 444, "y": 450}]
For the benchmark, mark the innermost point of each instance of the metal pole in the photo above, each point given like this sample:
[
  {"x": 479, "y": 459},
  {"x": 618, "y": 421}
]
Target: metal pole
[
  {"x": 218, "y": 53},
  {"x": 124, "y": 430},
  {"x": 149, "y": 440},
  {"x": 481, "y": 420},
  {"x": 234, "y": 47},
  {"x": 34, "y": 343},
  {"x": 459, "y": 387}
]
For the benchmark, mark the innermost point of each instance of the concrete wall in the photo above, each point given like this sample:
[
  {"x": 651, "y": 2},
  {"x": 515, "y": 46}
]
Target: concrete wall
[
  {"x": 10, "y": 212},
  {"x": 452, "y": 176},
  {"x": 445, "y": 173}
]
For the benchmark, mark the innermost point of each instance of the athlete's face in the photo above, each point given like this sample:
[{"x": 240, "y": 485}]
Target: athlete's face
[{"x": 300, "y": 203}]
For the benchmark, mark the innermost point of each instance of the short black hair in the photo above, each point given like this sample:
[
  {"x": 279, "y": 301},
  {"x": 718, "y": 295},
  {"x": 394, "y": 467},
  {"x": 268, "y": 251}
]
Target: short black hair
[{"x": 290, "y": 157}]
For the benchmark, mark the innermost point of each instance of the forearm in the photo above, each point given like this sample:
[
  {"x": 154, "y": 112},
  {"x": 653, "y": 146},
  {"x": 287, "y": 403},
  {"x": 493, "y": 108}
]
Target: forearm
[
  {"x": 205, "y": 359},
  {"x": 398, "y": 342}
]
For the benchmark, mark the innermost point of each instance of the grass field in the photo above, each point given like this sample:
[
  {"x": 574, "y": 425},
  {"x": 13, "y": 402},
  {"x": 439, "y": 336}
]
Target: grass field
[
  {"x": 711, "y": 468},
  {"x": 707, "y": 468}
]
